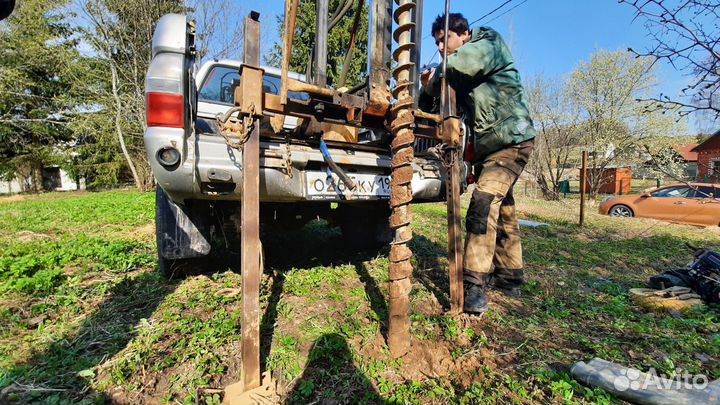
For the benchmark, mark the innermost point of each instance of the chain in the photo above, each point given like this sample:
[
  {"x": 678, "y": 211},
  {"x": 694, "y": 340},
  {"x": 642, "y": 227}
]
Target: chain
[
  {"x": 288, "y": 157},
  {"x": 448, "y": 155},
  {"x": 235, "y": 132}
]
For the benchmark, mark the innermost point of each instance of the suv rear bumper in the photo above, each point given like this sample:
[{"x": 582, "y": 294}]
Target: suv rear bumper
[{"x": 209, "y": 169}]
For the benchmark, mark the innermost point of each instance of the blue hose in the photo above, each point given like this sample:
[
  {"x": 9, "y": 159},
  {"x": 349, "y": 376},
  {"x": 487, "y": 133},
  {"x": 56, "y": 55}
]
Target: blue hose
[{"x": 335, "y": 168}]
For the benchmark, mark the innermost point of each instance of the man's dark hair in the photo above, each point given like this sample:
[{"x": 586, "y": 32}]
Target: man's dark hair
[{"x": 457, "y": 24}]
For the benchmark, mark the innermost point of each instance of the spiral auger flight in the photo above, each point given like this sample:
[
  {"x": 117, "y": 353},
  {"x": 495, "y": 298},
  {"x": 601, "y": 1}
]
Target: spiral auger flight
[{"x": 402, "y": 126}]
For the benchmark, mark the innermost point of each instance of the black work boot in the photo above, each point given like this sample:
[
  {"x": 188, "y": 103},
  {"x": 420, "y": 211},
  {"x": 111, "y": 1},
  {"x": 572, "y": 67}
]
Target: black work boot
[
  {"x": 507, "y": 282},
  {"x": 475, "y": 300}
]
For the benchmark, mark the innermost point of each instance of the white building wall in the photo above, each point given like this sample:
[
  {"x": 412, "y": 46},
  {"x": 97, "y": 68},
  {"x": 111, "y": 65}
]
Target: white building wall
[
  {"x": 67, "y": 184},
  {"x": 9, "y": 187}
]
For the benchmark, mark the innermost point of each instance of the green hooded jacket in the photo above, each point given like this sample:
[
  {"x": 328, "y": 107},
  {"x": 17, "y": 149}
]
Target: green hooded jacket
[{"x": 489, "y": 92}]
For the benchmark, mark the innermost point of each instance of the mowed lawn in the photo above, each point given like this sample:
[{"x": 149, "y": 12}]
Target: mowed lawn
[{"x": 86, "y": 319}]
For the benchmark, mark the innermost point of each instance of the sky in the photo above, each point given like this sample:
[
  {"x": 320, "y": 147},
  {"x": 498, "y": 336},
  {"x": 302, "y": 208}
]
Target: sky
[{"x": 547, "y": 37}]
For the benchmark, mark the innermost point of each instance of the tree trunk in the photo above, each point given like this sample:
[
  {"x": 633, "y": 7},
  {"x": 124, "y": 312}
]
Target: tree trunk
[
  {"x": 37, "y": 177},
  {"x": 118, "y": 128}
]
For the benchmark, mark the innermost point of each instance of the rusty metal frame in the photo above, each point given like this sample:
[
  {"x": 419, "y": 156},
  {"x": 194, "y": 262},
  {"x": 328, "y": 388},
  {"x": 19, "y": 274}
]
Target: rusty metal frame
[
  {"x": 372, "y": 110},
  {"x": 249, "y": 92}
]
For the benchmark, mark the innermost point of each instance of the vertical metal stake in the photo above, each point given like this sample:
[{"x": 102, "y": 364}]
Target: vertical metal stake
[
  {"x": 447, "y": 109},
  {"x": 455, "y": 247},
  {"x": 288, "y": 39},
  {"x": 380, "y": 44},
  {"x": 250, "y": 232},
  {"x": 416, "y": 52},
  {"x": 321, "y": 8},
  {"x": 583, "y": 185}
]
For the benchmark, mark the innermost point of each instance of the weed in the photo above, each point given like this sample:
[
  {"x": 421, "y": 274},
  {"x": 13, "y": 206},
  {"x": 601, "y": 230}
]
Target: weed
[
  {"x": 306, "y": 388},
  {"x": 284, "y": 357},
  {"x": 451, "y": 330}
]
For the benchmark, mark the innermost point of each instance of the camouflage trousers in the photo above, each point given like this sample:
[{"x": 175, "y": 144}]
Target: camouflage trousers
[{"x": 492, "y": 244}]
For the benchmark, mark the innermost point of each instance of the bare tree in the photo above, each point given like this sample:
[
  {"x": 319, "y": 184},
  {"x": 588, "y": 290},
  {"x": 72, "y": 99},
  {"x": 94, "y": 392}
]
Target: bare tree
[
  {"x": 119, "y": 32},
  {"x": 686, "y": 34},
  {"x": 109, "y": 40},
  {"x": 219, "y": 28},
  {"x": 616, "y": 125},
  {"x": 557, "y": 122}
]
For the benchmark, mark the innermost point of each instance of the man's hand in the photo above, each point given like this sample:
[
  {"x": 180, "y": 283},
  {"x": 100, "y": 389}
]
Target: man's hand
[{"x": 426, "y": 75}]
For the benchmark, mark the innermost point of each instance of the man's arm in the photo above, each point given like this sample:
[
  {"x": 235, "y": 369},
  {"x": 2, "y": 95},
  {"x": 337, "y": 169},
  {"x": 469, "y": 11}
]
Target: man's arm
[{"x": 470, "y": 63}]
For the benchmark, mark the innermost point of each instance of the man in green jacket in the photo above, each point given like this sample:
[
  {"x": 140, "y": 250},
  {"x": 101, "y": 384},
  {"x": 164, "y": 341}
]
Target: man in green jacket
[{"x": 488, "y": 90}]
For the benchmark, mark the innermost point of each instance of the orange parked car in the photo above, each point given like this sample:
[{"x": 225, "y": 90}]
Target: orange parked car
[{"x": 692, "y": 203}]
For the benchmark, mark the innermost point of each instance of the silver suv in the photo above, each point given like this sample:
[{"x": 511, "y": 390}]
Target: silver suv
[{"x": 199, "y": 176}]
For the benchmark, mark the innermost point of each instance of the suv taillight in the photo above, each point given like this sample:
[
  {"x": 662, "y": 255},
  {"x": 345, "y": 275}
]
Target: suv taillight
[{"x": 165, "y": 110}]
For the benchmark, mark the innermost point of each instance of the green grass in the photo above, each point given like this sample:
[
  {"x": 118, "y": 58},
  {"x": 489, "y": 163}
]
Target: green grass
[{"x": 85, "y": 319}]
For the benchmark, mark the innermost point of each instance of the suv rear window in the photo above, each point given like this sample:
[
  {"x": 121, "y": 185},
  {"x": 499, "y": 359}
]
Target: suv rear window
[{"x": 219, "y": 86}]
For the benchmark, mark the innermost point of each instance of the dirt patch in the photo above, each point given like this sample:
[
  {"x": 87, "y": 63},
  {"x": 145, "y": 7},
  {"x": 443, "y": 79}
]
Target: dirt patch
[
  {"x": 429, "y": 306},
  {"x": 11, "y": 199},
  {"x": 29, "y": 236},
  {"x": 427, "y": 359},
  {"x": 144, "y": 231}
]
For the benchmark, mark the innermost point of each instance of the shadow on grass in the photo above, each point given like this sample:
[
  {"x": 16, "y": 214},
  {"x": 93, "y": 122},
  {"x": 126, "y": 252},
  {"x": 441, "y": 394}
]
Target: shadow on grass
[
  {"x": 331, "y": 377},
  {"x": 317, "y": 244},
  {"x": 314, "y": 245},
  {"x": 431, "y": 268},
  {"x": 596, "y": 262},
  {"x": 330, "y": 372},
  {"x": 60, "y": 373}
]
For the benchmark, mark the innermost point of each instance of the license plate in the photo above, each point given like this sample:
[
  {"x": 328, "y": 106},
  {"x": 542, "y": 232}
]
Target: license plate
[{"x": 369, "y": 186}]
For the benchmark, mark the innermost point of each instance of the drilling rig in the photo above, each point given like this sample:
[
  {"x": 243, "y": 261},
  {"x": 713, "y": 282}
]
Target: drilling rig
[{"x": 386, "y": 101}]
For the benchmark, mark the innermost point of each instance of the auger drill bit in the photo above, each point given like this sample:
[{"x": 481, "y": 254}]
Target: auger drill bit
[{"x": 400, "y": 185}]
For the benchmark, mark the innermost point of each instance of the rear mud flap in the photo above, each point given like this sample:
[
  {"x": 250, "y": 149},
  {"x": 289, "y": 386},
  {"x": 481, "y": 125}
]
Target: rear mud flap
[{"x": 182, "y": 231}]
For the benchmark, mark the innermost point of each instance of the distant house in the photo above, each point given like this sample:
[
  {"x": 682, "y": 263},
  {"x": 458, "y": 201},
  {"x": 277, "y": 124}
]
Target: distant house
[
  {"x": 708, "y": 160},
  {"x": 689, "y": 158},
  {"x": 53, "y": 179}
]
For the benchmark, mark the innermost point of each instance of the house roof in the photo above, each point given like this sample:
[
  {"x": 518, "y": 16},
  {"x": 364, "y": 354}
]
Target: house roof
[
  {"x": 713, "y": 138},
  {"x": 687, "y": 152}
]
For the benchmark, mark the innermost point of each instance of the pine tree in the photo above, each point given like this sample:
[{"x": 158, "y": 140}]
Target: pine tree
[
  {"x": 338, "y": 41},
  {"x": 37, "y": 52}
]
